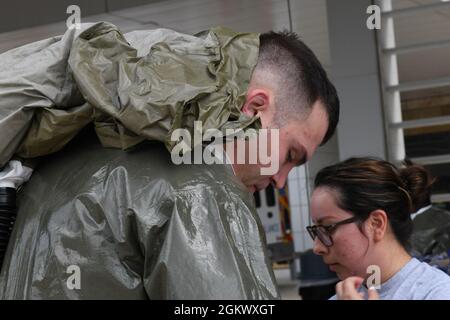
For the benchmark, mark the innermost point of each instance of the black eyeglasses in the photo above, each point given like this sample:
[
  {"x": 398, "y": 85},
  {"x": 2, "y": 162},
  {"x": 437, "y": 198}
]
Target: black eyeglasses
[{"x": 324, "y": 232}]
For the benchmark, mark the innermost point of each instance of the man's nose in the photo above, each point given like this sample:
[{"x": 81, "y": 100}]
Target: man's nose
[{"x": 279, "y": 180}]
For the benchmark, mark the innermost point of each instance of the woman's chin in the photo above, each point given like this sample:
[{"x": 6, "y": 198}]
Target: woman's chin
[{"x": 342, "y": 275}]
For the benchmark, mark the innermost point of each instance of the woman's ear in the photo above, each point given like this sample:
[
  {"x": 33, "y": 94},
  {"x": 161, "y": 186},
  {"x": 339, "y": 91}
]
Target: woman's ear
[
  {"x": 377, "y": 224},
  {"x": 257, "y": 101}
]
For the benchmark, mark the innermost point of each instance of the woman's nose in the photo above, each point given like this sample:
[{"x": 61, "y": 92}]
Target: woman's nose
[{"x": 318, "y": 247}]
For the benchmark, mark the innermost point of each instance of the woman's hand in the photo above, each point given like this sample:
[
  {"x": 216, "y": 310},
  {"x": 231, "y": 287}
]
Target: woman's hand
[{"x": 348, "y": 290}]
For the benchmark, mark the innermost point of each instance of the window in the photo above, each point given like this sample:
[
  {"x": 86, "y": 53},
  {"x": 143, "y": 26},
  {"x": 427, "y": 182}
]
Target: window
[{"x": 414, "y": 42}]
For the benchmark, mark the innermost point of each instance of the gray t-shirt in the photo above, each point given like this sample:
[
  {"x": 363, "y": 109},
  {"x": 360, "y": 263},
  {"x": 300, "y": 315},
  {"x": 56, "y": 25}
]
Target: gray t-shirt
[{"x": 415, "y": 281}]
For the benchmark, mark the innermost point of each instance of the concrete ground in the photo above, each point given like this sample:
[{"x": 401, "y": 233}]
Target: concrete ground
[{"x": 288, "y": 288}]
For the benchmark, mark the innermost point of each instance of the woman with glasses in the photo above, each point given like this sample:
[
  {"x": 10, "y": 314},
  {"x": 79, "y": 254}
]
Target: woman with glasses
[{"x": 361, "y": 209}]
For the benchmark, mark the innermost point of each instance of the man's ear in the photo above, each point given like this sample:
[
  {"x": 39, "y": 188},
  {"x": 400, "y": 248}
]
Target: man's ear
[
  {"x": 258, "y": 100},
  {"x": 378, "y": 222}
]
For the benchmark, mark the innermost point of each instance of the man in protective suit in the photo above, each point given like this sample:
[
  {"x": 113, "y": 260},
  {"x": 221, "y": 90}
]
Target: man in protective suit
[
  {"x": 95, "y": 221},
  {"x": 431, "y": 227}
]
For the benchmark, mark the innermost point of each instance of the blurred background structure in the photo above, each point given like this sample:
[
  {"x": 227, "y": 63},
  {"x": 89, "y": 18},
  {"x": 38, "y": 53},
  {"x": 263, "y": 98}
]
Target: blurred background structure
[{"x": 394, "y": 84}]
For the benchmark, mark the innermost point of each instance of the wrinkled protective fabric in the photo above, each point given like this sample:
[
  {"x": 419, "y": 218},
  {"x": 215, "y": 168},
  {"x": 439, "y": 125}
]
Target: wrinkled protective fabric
[
  {"x": 14, "y": 174},
  {"x": 138, "y": 227},
  {"x": 431, "y": 233},
  {"x": 138, "y": 86}
]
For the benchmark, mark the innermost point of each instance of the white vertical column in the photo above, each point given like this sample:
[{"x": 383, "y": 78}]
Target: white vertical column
[
  {"x": 389, "y": 76},
  {"x": 297, "y": 203},
  {"x": 355, "y": 73}
]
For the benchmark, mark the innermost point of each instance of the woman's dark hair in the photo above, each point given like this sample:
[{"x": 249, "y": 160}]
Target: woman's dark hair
[{"x": 363, "y": 185}]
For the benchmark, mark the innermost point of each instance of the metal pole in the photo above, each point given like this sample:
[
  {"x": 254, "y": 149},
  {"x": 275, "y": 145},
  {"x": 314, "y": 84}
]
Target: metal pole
[
  {"x": 420, "y": 123},
  {"x": 389, "y": 76},
  {"x": 388, "y": 13}
]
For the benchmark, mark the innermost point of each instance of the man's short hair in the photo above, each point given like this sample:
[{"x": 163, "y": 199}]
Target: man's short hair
[{"x": 297, "y": 78}]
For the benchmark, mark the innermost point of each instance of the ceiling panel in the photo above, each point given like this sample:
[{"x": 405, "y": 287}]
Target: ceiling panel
[
  {"x": 309, "y": 20},
  {"x": 423, "y": 65},
  {"x": 403, "y": 4},
  {"x": 424, "y": 27}
]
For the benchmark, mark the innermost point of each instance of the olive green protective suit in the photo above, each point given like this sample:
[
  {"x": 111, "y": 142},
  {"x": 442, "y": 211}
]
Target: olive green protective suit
[{"x": 96, "y": 222}]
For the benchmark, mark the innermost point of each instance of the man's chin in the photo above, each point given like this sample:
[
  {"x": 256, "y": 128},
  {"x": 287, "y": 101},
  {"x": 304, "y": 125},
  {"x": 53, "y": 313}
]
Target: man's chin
[{"x": 257, "y": 187}]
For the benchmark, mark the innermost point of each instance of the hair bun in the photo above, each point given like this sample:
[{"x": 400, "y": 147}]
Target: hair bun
[{"x": 418, "y": 182}]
